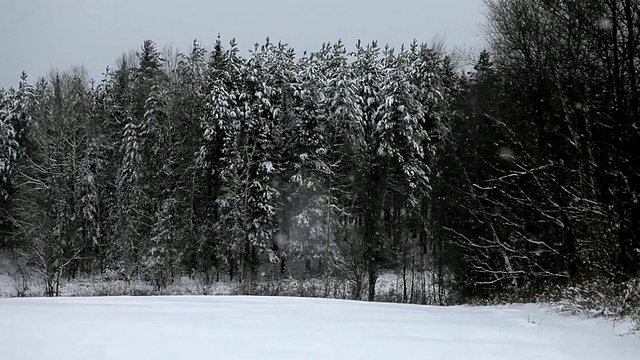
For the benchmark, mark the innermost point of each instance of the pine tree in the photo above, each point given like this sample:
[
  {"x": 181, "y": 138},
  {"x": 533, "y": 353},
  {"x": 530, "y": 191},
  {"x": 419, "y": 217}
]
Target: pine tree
[
  {"x": 311, "y": 209},
  {"x": 338, "y": 162},
  {"x": 186, "y": 108},
  {"x": 217, "y": 237},
  {"x": 140, "y": 101},
  {"x": 8, "y": 147},
  {"x": 133, "y": 201},
  {"x": 17, "y": 109},
  {"x": 90, "y": 168},
  {"x": 161, "y": 255}
]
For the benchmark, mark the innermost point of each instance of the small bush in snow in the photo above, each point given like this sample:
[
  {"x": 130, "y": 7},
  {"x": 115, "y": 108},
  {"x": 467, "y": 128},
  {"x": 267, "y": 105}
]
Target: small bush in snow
[
  {"x": 20, "y": 283},
  {"x": 599, "y": 298}
]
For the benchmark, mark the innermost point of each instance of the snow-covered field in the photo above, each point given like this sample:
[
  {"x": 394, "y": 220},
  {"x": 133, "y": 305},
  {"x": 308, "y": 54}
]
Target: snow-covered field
[{"x": 228, "y": 327}]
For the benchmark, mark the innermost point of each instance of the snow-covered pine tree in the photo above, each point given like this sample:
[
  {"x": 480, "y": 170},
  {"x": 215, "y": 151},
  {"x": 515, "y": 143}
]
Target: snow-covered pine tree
[
  {"x": 140, "y": 100},
  {"x": 159, "y": 145},
  {"x": 156, "y": 128},
  {"x": 371, "y": 154},
  {"x": 17, "y": 110},
  {"x": 409, "y": 103},
  {"x": 22, "y": 105},
  {"x": 89, "y": 176},
  {"x": 9, "y": 148},
  {"x": 280, "y": 108},
  {"x": 402, "y": 128},
  {"x": 336, "y": 164},
  {"x": 387, "y": 143},
  {"x": 186, "y": 108},
  {"x": 222, "y": 164},
  {"x": 112, "y": 104},
  {"x": 302, "y": 224},
  {"x": 161, "y": 255},
  {"x": 8, "y": 145},
  {"x": 270, "y": 104},
  {"x": 133, "y": 202}
]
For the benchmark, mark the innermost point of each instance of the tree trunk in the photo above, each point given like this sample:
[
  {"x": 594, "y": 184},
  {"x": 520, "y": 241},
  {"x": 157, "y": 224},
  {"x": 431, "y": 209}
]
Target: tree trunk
[
  {"x": 372, "y": 273},
  {"x": 570, "y": 247}
]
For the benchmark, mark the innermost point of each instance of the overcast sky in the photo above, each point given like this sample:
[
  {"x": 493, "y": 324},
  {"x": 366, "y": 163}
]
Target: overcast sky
[{"x": 38, "y": 35}]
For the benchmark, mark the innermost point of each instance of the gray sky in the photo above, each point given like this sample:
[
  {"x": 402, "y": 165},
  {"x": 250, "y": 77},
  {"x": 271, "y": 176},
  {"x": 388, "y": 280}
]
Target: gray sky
[{"x": 38, "y": 35}]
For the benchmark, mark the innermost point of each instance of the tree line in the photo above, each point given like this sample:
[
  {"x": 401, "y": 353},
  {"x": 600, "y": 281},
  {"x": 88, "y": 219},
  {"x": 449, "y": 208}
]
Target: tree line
[{"x": 514, "y": 177}]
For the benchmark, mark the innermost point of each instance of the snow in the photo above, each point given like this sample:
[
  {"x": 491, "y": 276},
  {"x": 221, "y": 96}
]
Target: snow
[{"x": 228, "y": 327}]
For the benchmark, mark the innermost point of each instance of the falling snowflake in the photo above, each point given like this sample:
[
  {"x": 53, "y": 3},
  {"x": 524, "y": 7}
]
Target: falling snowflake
[
  {"x": 605, "y": 24},
  {"x": 505, "y": 153}
]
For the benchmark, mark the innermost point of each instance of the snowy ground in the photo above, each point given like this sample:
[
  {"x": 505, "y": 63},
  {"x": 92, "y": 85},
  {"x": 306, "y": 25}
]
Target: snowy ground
[{"x": 227, "y": 327}]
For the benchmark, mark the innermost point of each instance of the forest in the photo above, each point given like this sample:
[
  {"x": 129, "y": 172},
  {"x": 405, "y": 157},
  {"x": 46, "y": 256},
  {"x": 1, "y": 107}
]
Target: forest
[{"x": 510, "y": 178}]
